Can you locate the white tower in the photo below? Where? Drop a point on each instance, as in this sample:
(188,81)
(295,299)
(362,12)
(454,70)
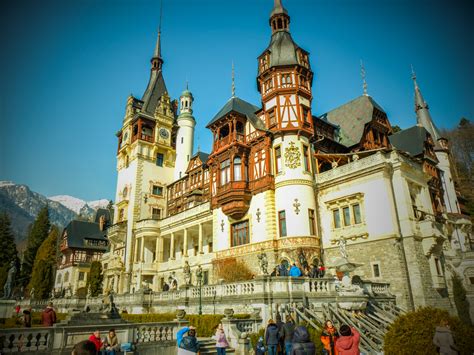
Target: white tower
(185,137)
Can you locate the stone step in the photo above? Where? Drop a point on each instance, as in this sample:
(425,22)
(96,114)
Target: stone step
(208,346)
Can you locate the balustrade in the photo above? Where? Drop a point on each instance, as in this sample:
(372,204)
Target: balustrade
(25,340)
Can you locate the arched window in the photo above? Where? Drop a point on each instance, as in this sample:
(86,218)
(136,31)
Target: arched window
(66,277)
(237,169)
(59,279)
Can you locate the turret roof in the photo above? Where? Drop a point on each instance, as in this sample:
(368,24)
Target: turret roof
(238,105)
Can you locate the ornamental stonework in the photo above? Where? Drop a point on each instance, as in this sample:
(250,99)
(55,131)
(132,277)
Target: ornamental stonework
(292,156)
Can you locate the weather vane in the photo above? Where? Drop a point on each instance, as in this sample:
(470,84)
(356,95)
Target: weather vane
(362,74)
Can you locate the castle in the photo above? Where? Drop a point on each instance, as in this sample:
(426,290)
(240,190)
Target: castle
(281,181)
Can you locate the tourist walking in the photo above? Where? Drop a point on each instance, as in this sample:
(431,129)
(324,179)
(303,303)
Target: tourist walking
(287,332)
(302,345)
(295,271)
(95,338)
(27,318)
(221,340)
(329,338)
(271,337)
(348,341)
(111,345)
(443,339)
(189,342)
(48,316)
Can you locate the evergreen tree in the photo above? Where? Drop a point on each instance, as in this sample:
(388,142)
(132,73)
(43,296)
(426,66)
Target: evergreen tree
(8,252)
(94,281)
(42,278)
(38,233)
(460,300)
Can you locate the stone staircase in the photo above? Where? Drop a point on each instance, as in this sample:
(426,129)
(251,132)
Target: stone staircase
(208,346)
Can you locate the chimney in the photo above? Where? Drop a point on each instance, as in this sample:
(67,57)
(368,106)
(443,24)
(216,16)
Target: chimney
(102,223)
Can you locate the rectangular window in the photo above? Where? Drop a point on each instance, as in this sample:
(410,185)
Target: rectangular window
(305,113)
(282,223)
(376,270)
(81,276)
(159,159)
(271,117)
(356,211)
(438,268)
(209,247)
(336,215)
(240,233)
(312,226)
(225,172)
(278,159)
(157,190)
(307,161)
(156,213)
(347,216)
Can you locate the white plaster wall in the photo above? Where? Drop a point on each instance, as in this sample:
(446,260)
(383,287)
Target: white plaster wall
(450,198)
(184,150)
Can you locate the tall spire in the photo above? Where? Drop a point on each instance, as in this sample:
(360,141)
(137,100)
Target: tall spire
(233,80)
(279,19)
(423,116)
(362,74)
(157,60)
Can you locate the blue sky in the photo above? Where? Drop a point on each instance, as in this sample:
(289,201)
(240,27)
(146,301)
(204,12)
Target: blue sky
(67,68)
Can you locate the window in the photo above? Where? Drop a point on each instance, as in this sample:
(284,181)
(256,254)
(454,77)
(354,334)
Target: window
(286,80)
(240,233)
(278,159)
(237,169)
(81,276)
(356,212)
(66,277)
(225,172)
(471,280)
(209,247)
(307,161)
(156,213)
(336,216)
(121,214)
(312,226)
(438,268)
(376,269)
(271,117)
(305,112)
(182,140)
(59,279)
(157,190)
(347,216)
(159,159)
(282,223)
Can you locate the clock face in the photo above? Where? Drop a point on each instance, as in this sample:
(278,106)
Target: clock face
(164,133)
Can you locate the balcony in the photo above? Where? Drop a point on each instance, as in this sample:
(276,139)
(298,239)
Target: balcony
(118,232)
(234,198)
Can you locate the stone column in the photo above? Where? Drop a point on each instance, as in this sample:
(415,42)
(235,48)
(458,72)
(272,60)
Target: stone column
(159,250)
(142,250)
(200,239)
(116,281)
(137,249)
(172,247)
(185,242)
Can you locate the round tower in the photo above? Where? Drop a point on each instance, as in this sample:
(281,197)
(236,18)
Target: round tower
(185,137)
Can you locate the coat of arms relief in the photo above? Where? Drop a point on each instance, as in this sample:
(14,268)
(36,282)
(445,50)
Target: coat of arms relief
(292,156)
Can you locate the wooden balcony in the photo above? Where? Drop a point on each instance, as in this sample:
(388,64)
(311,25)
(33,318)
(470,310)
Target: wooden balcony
(234,198)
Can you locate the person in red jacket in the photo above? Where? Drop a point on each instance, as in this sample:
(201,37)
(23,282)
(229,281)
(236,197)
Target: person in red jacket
(348,342)
(48,316)
(95,338)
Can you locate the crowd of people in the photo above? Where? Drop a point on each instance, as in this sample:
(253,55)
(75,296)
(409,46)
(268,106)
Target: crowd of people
(314,271)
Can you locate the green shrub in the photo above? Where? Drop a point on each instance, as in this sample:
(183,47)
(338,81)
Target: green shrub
(254,337)
(149,318)
(460,300)
(16,322)
(412,333)
(315,337)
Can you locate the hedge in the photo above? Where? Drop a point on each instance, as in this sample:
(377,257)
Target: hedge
(17,322)
(412,333)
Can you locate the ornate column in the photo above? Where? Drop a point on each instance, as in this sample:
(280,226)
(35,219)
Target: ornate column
(172,247)
(185,242)
(200,239)
(159,250)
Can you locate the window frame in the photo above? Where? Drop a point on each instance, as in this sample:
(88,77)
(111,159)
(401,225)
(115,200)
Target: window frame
(161,190)
(312,221)
(278,160)
(238,239)
(282,227)
(160,159)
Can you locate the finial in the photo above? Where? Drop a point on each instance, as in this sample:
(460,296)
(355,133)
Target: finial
(362,74)
(233,80)
(187,84)
(161,15)
(413,74)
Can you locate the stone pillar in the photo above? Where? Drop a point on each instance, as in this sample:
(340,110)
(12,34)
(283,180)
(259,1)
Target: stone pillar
(142,250)
(159,250)
(200,239)
(185,242)
(137,249)
(116,283)
(172,247)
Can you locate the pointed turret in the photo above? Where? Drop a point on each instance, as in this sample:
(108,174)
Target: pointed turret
(156,86)
(279,18)
(423,116)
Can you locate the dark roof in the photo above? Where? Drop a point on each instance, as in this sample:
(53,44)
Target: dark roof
(102,212)
(352,118)
(155,89)
(410,140)
(80,231)
(202,156)
(282,49)
(240,106)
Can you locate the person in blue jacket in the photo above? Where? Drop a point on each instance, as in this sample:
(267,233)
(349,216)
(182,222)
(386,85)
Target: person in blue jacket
(180,334)
(295,271)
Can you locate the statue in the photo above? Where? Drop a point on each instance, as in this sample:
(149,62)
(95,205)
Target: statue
(262,261)
(199,274)
(8,287)
(187,273)
(110,304)
(342,247)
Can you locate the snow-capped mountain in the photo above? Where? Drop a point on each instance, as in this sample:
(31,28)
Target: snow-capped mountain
(23,205)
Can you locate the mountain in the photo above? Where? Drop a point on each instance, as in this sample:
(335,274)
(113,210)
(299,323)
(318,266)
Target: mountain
(22,205)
